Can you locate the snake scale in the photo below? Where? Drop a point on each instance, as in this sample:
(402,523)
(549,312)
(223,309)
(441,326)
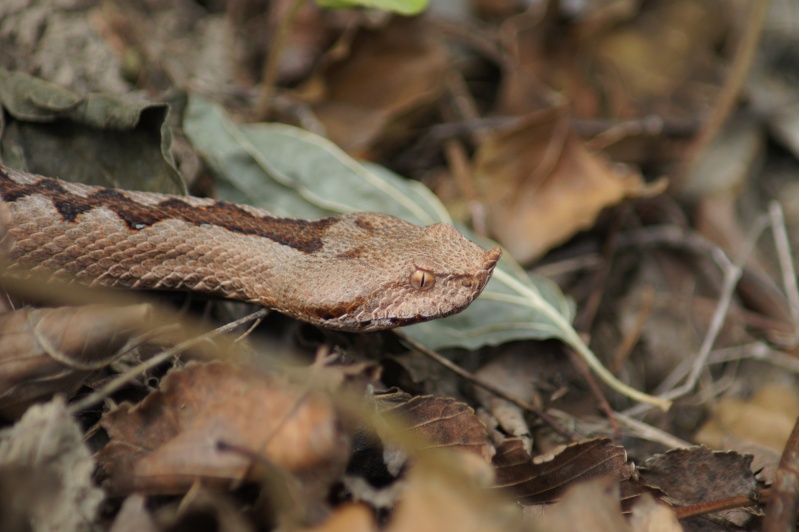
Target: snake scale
(352,272)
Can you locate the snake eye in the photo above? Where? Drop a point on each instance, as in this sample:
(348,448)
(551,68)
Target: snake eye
(422,280)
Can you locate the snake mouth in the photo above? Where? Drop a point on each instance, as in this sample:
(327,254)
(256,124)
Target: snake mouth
(492,257)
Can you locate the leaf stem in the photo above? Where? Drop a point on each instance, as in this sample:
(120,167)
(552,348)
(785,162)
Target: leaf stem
(570,336)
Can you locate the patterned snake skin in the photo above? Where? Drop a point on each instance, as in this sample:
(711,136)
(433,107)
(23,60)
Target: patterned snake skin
(353,272)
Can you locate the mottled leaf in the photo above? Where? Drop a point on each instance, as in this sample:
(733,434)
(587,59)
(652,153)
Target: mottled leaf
(98,139)
(700,475)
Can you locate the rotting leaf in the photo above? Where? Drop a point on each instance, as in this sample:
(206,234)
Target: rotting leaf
(45,351)
(98,139)
(170,440)
(442,422)
(699,474)
(544,478)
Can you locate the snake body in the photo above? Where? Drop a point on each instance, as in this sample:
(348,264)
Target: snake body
(353,272)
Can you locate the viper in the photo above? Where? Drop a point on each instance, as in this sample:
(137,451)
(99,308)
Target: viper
(352,272)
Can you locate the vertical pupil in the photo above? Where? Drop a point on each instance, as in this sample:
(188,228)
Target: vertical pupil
(422,280)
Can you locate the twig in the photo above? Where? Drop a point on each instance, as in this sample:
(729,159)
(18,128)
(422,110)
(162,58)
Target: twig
(591,306)
(569,336)
(436,357)
(631,338)
(731,277)
(785,259)
(732,273)
(784,500)
(732,87)
(582,368)
(718,505)
(269,76)
(117,383)
(644,431)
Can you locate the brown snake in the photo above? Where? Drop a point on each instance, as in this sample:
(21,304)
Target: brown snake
(353,272)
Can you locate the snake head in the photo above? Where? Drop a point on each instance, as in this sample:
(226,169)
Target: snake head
(404,274)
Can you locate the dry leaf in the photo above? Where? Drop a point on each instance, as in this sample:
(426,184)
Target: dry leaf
(349,517)
(134,516)
(766,418)
(169,440)
(698,474)
(592,505)
(544,478)
(46,473)
(436,500)
(651,516)
(389,75)
(45,351)
(442,422)
(541,185)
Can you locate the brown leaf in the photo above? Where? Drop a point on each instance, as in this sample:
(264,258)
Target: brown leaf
(766,418)
(390,74)
(169,440)
(435,500)
(349,517)
(544,478)
(617,59)
(45,351)
(592,505)
(443,422)
(541,185)
(134,516)
(698,474)
(650,516)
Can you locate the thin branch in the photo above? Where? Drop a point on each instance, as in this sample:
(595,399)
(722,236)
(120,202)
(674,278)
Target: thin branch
(436,357)
(728,96)
(647,432)
(785,259)
(120,381)
(732,272)
(784,500)
(731,277)
(269,76)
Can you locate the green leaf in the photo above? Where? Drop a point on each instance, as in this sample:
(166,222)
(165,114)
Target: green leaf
(403,7)
(290,171)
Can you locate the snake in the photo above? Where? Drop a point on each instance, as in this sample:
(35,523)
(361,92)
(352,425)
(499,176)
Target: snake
(355,272)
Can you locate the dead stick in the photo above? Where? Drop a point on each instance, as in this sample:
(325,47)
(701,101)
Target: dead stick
(448,364)
(117,383)
(784,499)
